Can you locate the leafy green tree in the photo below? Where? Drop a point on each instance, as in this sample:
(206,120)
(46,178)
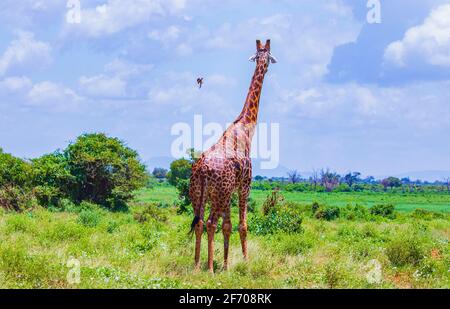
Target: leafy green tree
(391,182)
(15,183)
(105,171)
(179,169)
(14,171)
(159,172)
(52,178)
(352,178)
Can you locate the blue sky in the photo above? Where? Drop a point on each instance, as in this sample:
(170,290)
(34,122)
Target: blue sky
(347,94)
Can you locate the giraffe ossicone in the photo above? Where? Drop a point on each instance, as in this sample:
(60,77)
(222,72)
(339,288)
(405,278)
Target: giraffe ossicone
(226,167)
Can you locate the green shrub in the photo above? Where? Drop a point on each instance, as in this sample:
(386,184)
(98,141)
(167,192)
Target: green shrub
(328,213)
(279,219)
(426,214)
(354,212)
(17,198)
(151,211)
(89,218)
(383,210)
(405,250)
(184,201)
(272,201)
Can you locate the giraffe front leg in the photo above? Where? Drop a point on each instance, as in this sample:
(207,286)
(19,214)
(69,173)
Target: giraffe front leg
(226,229)
(243,196)
(211,227)
(198,240)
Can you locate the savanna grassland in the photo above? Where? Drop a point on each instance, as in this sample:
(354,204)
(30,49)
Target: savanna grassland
(303,240)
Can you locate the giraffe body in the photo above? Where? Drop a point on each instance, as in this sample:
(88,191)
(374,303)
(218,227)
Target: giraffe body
(226,167)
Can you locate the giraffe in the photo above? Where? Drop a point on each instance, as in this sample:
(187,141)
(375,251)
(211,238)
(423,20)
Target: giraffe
(226,167)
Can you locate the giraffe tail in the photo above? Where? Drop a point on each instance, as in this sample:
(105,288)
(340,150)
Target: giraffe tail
(198,210)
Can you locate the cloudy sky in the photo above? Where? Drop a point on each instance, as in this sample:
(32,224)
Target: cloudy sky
(348,94)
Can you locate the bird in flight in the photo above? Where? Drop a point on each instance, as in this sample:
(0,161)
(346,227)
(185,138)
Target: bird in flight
(200,82)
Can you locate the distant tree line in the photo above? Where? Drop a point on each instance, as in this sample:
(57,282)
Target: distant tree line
(325,180)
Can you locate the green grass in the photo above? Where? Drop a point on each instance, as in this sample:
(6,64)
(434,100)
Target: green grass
(122,250)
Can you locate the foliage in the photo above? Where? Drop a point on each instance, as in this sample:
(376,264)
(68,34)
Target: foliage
(391,182)
(354,212)
(14,171)
(16,198)
(184,201)
(405,250)
(383,210)
(272,201)
(179,170)
(89,217)
(328,213)
(159,172)
(276,217)
(149,212)
(106,172)
(52,178)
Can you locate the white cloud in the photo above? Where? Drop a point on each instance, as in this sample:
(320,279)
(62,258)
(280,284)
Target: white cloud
(428,42)
(15,84)
(52,95)
(103,86)
(25,52)
(118,77)
(115,15)
(420,106)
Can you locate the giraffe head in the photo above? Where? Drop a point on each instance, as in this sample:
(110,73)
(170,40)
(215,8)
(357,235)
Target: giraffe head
(263,56)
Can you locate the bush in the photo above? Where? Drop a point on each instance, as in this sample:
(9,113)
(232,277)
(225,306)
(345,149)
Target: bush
(404,251)
(16,198)
(89,214)
(184,202)
(426,214)
(328,213)
(151,211)
(106,172)
(383,210)
(278,219)
(272,201)
(354,212)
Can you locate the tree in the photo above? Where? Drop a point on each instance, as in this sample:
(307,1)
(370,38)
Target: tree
(105,171)
(15,183)
(447,182)
(391,182)
(179,169)
(294,176)
(159,172)
(52,179)
(259,178)
(330,180)
(314,179)
(351,178)
(14,171)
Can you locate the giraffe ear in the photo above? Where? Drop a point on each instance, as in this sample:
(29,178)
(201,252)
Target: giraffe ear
(258,45)
(252,58)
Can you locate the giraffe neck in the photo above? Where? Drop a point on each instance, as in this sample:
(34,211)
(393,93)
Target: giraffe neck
(249,115)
